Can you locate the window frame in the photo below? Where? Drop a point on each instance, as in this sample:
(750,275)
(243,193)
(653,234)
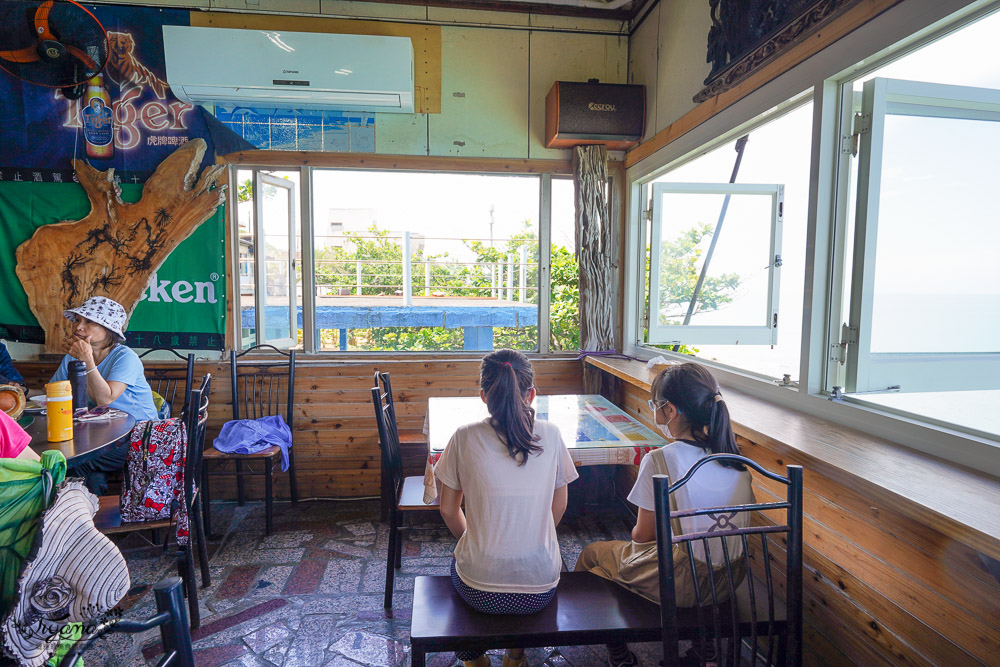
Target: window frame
(825,78)
(688,334)
(544,170)
(865,370)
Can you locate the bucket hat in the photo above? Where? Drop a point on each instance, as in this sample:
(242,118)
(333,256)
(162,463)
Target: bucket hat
(106,312)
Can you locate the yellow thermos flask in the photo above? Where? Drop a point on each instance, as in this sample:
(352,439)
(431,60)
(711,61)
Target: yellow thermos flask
(59,411)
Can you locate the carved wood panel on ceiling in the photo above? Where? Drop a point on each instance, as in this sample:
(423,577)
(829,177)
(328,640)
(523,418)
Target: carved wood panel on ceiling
(746,34)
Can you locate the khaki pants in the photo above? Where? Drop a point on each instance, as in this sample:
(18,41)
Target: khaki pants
(633,565)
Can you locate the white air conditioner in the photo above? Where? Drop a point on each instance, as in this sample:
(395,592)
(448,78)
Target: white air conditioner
(289,70)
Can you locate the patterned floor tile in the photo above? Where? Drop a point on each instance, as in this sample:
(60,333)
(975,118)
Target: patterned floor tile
(310,594)
(262,639)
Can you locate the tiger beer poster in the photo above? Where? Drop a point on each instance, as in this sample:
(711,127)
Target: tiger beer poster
(128,120)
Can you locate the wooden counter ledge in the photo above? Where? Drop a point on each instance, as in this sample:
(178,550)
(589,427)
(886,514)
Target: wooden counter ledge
(957,501)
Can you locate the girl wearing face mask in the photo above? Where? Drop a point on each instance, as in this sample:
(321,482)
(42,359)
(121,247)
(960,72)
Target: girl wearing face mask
(689,409)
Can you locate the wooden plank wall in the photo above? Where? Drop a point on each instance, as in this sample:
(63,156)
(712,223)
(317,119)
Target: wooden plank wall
(336,443)
(879,587)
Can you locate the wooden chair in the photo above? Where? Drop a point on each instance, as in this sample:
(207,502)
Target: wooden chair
(175,629)
(108,519)
(590,610)
(166,381)
(406,493)
(260,389)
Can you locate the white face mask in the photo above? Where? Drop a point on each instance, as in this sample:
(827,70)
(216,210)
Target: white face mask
(665,430)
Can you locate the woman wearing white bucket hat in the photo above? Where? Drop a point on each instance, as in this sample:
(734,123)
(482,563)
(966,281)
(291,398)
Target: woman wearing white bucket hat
(114,375)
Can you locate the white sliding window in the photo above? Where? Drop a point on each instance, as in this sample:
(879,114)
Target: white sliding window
(925,286)
(714,264)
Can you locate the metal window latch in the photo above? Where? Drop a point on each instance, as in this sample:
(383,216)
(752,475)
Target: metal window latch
(838,392)
(647,215)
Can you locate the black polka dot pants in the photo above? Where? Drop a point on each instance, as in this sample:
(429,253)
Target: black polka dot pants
(497,603)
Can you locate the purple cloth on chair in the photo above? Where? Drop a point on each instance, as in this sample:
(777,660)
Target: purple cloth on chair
(249,436)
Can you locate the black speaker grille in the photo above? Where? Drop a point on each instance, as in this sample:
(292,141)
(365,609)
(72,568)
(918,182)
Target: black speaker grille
(600,110)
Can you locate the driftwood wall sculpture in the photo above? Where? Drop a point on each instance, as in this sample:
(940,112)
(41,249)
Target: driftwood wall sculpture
(113,251)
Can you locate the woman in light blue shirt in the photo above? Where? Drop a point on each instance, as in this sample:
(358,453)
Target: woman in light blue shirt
(114,377)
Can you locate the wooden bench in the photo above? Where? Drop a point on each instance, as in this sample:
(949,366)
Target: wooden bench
(586,610)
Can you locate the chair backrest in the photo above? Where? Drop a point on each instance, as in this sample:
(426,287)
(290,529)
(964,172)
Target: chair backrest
(264,388)
(388,432)
(720,591)
(165,381)
(196,422)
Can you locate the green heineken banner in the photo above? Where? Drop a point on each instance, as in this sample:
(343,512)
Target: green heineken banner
(184,305)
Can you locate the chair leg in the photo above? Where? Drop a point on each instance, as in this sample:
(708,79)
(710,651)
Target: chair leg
(384,492)
(390,571)
(206,504)
(269,496)
(240,493)
(199,527)
(399,541)
(191,586)
(417,657)
(293,484)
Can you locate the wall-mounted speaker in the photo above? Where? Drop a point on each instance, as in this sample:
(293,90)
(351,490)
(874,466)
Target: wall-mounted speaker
(594,113)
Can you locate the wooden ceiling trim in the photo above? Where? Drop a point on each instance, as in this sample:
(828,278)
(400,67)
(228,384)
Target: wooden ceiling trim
(295,159)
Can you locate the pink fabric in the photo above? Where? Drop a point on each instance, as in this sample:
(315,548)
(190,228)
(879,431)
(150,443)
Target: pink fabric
(13,438)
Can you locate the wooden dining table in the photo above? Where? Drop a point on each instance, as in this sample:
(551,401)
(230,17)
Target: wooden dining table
(90,438)
(595,430)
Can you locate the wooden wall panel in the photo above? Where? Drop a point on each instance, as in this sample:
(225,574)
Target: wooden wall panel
(336,443)
(880,587)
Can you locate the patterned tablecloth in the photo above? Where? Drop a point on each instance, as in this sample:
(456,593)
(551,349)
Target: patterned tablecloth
(596,431)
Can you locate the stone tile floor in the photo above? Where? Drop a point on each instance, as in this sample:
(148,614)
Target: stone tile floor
(310,594)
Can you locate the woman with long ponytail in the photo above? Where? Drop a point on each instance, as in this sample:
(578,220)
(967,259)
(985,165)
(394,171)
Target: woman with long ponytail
(512,471)
(689,409)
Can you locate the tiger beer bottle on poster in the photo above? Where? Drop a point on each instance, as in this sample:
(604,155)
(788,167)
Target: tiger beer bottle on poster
(98,124)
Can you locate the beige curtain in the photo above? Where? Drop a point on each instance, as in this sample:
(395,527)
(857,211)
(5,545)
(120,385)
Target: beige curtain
(595,256)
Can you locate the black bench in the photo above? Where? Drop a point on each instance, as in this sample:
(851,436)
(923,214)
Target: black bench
(590,610)
(586,610)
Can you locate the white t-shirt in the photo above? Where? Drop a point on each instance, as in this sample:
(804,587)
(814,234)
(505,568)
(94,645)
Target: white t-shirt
(713,485)
(509,545)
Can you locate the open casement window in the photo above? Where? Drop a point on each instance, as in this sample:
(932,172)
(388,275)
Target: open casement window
(715,255)
(926,278)
(276,310)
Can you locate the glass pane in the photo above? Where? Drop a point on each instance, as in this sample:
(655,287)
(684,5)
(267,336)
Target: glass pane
(278,298)
(776,152)
(937,277)
(244,206)
(734,291)
(564,315)
(472,262)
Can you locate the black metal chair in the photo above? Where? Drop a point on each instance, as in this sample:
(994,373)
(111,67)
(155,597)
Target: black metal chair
(171,618)
(406,494)
(108,519)
(261,388)
(749,610)
(166,381)
(590,610)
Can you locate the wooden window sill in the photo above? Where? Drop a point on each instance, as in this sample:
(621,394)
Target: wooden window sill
(957,501)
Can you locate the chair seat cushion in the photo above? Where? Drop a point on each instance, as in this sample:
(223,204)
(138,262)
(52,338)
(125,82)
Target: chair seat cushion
(412,496)
(215,454)
(586,610)
(108,519)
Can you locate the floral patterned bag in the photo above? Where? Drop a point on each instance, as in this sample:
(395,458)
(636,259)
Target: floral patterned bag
(153,488)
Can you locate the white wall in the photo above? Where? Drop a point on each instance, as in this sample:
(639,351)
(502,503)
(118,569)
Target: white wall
(667,55)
